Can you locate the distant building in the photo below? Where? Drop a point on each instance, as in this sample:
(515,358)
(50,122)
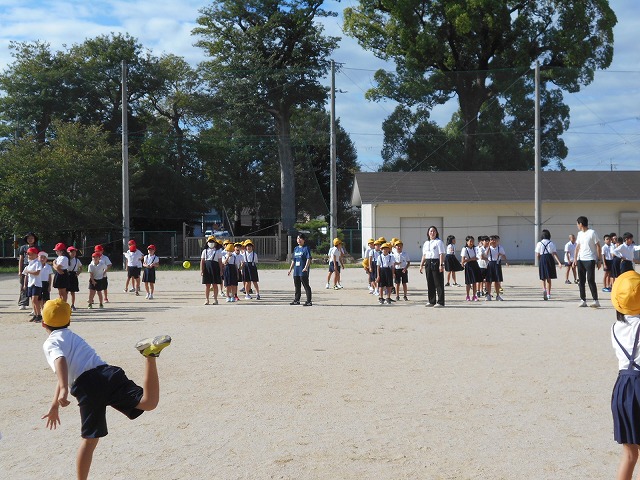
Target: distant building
(405,204)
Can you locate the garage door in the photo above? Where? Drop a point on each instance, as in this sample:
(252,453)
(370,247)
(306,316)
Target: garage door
(413,232)
(517,237)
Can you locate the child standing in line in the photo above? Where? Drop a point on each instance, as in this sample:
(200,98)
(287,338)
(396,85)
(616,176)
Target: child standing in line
(626,251)
(134,266)
(401,270)
(472,275)
(46,277)
(386,263)
(374,254)
(607,262)
(483,246)
(229,262)
(366,264)
(32,282)
(150,263)
(95,384)
(569,256)
(96,279)
(249,265)
(75,267)
(546,253)
(451,263)
(625,398)
(494,255)
(107,262)
(60,267)
(617,257)
(335,265)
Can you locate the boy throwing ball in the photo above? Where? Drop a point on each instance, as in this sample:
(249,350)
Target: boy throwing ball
(95,384)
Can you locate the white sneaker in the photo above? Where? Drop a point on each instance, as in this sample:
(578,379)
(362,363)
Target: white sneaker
(151,296)
(132,290)
(248,297)
(370,289)
(499,298)
(147,296)
(327,287)
(339,286)
(595,304)
(23,307)
(583,303)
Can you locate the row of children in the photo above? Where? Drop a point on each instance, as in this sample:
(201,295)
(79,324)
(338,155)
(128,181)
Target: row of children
(138,263)
(227,263)
(618,257)
(387,267)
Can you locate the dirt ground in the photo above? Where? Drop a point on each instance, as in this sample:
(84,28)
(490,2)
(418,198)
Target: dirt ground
(346,389)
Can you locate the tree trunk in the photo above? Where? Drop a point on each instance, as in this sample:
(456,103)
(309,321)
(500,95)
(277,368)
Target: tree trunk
(472,92)
(287,172)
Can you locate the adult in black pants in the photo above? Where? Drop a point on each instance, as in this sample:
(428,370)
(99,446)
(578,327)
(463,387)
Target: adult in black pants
(30,240)
(587,258)
(433,253)
(300,265)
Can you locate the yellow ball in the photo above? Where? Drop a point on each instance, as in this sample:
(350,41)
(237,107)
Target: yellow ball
(186,264)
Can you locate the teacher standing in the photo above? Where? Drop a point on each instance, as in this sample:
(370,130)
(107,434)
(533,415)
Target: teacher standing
(300,265)
(433,253)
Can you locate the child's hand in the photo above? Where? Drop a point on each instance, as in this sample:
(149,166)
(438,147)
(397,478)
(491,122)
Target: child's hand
(62,397)
(53,419)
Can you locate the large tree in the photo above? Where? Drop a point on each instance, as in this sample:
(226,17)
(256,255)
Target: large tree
(268,56)
(447,48)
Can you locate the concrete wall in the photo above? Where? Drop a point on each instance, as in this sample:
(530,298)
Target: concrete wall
(513,222)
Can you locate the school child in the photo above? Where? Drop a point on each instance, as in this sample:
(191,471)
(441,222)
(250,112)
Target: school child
(249,266)
(46,277)
(230,263)
(374,254)
(335,265)
(451,263)
(366,263)
(569,257)
(401,269)
(150,263)
(626,251)
(211,268)
(483,245)
(32,282)
(75,267)
(96,271)
(386,263)
(31,241)
(607,262)
(133,258)
(545,254)
(95,384)
(494,255)
(60,267)
(617,257)
(472,275)
(625,397)
(107,261)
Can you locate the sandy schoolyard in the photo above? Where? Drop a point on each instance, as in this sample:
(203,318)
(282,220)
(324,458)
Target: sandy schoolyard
(346,389)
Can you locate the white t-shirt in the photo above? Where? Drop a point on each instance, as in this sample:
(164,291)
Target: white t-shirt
(334,255)
(431,249)
(151,260)
(451,249)
(32,267)
(402,258)
(540,247)
(607,251)
(587,241)
(79,354)
(208,254)
(626,334)
(250,258)
(62,261)
(104,259)
(626,252)
(569,250)
(98,270)
(46,272)
(470,253)
(134,259)
(74,264)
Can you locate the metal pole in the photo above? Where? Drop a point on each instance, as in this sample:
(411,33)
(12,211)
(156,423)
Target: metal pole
(125,161)
(334,183)
(538,202)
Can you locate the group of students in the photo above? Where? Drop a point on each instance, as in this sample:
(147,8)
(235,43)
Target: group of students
(138,263)
(386,265)
(225,263)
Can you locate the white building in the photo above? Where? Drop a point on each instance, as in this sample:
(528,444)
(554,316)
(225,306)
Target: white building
(405,204)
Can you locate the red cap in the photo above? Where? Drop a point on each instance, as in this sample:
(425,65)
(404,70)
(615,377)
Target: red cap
(95,254)
(60,247)
(151,247)
(98,248)
(132,242)
(71,249)
(132,248)
(32,250)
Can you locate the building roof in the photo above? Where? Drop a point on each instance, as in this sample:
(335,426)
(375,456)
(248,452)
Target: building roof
(438,187)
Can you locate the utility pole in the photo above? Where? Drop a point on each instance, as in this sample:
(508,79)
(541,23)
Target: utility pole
(333,214)
(125,161)
(538,202)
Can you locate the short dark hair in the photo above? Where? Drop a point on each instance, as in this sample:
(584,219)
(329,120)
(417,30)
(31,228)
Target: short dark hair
(584,221)
(546,234)
(627,235)
(302,236)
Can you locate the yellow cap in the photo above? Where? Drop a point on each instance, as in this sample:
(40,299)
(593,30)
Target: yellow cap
(398,242)
(371,240)
(211,238)
(56,313)
(336,242)
(625,294)
(382,240)
(248,242)
(229,247)
(378,242)
(365,262)
(386,245)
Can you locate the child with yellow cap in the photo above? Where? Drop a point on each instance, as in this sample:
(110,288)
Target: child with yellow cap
(625,399)
(95,384)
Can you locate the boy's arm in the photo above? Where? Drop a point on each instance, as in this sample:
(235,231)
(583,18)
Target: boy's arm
(61,393)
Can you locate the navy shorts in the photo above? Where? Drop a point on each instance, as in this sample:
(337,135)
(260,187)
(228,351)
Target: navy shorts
(400,276)
(333,267)
(34,291)
(100,387)
(46,295)
(133,272)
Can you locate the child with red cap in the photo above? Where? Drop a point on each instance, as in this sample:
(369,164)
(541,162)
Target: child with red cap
(95,384)
(134,266)
(150,263)
(60,275)
(32,281)
(625,399)
(107,262)
(75,266)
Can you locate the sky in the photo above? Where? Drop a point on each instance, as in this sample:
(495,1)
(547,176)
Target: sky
(605,116)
